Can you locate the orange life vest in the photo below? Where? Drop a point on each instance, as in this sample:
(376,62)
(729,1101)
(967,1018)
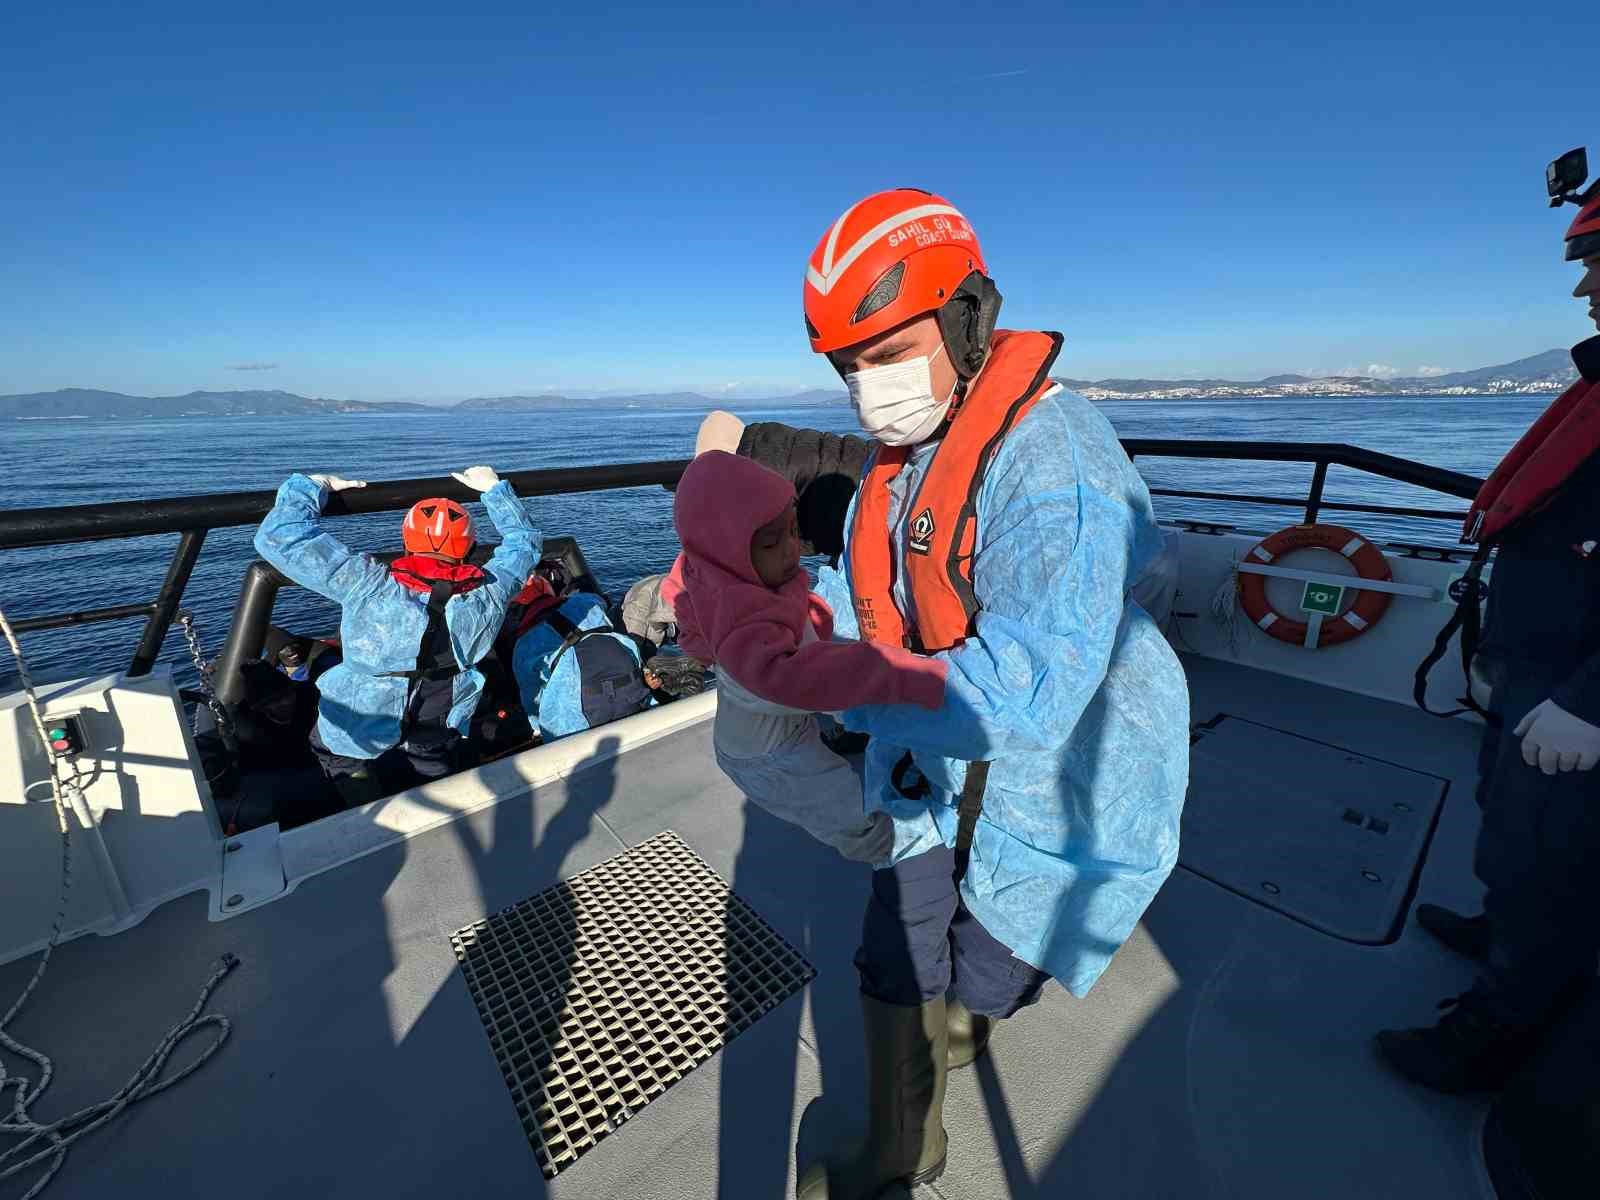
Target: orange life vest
(1557,444)
(944,510)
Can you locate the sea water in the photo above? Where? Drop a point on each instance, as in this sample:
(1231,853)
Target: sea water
(625,534)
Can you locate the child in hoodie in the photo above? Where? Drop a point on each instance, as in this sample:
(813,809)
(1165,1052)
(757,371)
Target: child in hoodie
(743,603)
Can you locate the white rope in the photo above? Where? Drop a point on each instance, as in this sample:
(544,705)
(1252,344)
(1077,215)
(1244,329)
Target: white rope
(146,1082)
(1225,608)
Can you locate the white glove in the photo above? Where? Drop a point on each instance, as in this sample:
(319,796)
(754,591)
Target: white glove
(336,483)
(719,431)
(1554,740)
(479,479)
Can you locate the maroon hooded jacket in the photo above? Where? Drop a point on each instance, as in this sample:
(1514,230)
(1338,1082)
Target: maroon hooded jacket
(728,617)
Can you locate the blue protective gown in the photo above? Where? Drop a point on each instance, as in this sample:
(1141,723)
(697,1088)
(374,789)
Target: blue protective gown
(553,697)
(382,623)
(1068,688)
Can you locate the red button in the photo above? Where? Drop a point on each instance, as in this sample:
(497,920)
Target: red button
(61,744)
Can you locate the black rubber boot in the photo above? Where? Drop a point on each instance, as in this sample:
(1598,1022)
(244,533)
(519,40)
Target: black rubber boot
(1539,1142)
(356,790)
(1464,935)
(1467,1051)
(906,1074)
(969,1034)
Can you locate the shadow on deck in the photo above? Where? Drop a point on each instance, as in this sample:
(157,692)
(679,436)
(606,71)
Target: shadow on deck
(1226,1052)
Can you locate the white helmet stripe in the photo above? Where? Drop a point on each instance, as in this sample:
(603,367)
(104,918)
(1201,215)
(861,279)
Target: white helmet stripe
(833,237)
(824,280)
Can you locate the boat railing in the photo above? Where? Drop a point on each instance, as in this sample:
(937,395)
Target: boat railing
(192,517)
(1322,455)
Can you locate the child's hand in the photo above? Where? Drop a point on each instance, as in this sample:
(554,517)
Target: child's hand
(676,674)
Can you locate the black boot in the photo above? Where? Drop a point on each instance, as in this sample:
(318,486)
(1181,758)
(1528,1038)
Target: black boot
(906,1075)
(969,1034)
(363,787)
(1464,935)
(1467,1051)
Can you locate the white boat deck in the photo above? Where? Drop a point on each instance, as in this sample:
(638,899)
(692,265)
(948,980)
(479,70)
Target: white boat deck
(1226,1053)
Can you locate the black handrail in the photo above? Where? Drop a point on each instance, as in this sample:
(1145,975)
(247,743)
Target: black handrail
(1312,508)
(193,516)
(1338,454)
(86,616)
(134,518)
(167,601)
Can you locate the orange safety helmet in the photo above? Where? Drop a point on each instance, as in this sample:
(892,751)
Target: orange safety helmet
(894,256)
(438,526)
(1583,235)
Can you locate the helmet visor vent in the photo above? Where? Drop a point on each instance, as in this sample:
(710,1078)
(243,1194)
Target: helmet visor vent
(882,294)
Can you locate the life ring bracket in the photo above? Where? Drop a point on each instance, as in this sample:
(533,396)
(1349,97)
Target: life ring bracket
(1373,584)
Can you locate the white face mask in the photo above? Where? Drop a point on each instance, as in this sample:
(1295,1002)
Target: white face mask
(895,403)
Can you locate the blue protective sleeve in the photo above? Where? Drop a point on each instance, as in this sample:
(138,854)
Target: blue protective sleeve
(834,589)
(474,617)
(291,539)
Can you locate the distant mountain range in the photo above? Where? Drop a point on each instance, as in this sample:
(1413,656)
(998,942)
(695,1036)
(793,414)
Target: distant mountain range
(1551,371)
(649,400)
(84,403)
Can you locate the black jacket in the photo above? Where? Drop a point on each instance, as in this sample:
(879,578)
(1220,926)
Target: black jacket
(1544,595)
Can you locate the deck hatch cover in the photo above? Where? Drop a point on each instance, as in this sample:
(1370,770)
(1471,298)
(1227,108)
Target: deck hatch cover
(1325,835)
(600,993)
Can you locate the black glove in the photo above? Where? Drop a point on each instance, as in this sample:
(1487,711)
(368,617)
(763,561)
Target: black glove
(844,742)
(678,674)
(824,468)
(821,512)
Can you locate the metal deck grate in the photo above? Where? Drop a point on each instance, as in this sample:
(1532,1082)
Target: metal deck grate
(600,993)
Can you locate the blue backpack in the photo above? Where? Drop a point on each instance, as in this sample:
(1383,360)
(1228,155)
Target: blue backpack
(612,676)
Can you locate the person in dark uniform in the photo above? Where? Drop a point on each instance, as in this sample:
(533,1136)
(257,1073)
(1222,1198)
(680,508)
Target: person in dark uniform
(1537,671)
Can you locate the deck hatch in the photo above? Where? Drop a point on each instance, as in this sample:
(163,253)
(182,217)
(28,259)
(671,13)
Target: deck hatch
(1325,835)
(600,993)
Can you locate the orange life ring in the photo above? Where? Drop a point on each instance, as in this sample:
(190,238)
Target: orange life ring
(1366,558)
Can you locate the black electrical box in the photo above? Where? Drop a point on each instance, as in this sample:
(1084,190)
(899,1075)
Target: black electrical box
(65,736)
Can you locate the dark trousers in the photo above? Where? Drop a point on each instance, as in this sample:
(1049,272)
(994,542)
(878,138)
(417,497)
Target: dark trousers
(1539,1142)
(918,941)
(427,753)
(1538,855)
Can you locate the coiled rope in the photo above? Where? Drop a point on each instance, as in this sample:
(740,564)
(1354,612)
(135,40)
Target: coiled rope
(59,1136)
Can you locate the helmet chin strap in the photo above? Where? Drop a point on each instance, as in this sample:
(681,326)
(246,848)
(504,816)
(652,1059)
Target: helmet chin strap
(958,395)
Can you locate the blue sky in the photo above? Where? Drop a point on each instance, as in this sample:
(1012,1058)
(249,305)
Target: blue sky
(449,199)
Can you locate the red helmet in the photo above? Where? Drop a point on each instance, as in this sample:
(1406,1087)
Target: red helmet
(438,527)
(1583,235)
(894,256)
